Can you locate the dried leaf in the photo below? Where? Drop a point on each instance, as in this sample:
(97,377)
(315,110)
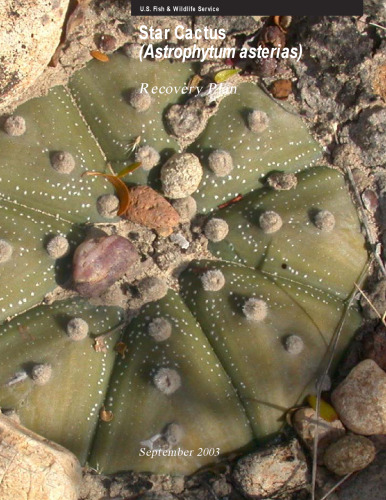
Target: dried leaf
(121,348)
(121,189)
(225,74)
(327,412)
(96,54)
(129,169)
(194,81)
(282,22)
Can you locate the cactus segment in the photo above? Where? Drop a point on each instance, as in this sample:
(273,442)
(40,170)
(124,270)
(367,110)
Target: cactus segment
(284,145)
(104,94)
(26,173)
(328,260)
(204,403)
(268,378)
(29,273)
(66,408)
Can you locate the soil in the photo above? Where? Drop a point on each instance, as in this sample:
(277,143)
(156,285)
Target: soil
(339,87)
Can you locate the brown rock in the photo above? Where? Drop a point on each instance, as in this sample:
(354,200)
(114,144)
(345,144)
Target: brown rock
(265,473)
(107,43)
(281,89)
(33,468)
(360,399)
(29,35)
(349,454)
(150,209)
(100,262)
(304,422)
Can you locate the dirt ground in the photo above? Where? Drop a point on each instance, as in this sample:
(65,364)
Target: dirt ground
(339,87)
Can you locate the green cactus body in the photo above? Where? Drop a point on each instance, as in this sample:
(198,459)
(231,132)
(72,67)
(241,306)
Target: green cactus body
(284,145)
(299,250)
(268,378)
(66,408)
(38,202)
(205,405)
(212,367)
(103,94)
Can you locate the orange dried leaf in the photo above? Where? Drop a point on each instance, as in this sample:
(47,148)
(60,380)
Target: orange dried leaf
(96,54)
(120,187)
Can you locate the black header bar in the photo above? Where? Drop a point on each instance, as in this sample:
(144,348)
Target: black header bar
(246,7)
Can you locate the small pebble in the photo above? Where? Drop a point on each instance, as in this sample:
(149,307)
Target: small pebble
(349,454)
(270,222)
(216,229)
(181,175)
(107,43)
(304,422)
(14,126)
(273,35)
(140,101)
(255,309)
(148,157)
(77,329)
(58,247)
(149,208)
(107,206)
(220,162)
(100,262)
(41,373)
(6,251)
(370,200)
(63,162)
(281,89)
(360,400)
(180,240)
(257,121)
(167,380)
